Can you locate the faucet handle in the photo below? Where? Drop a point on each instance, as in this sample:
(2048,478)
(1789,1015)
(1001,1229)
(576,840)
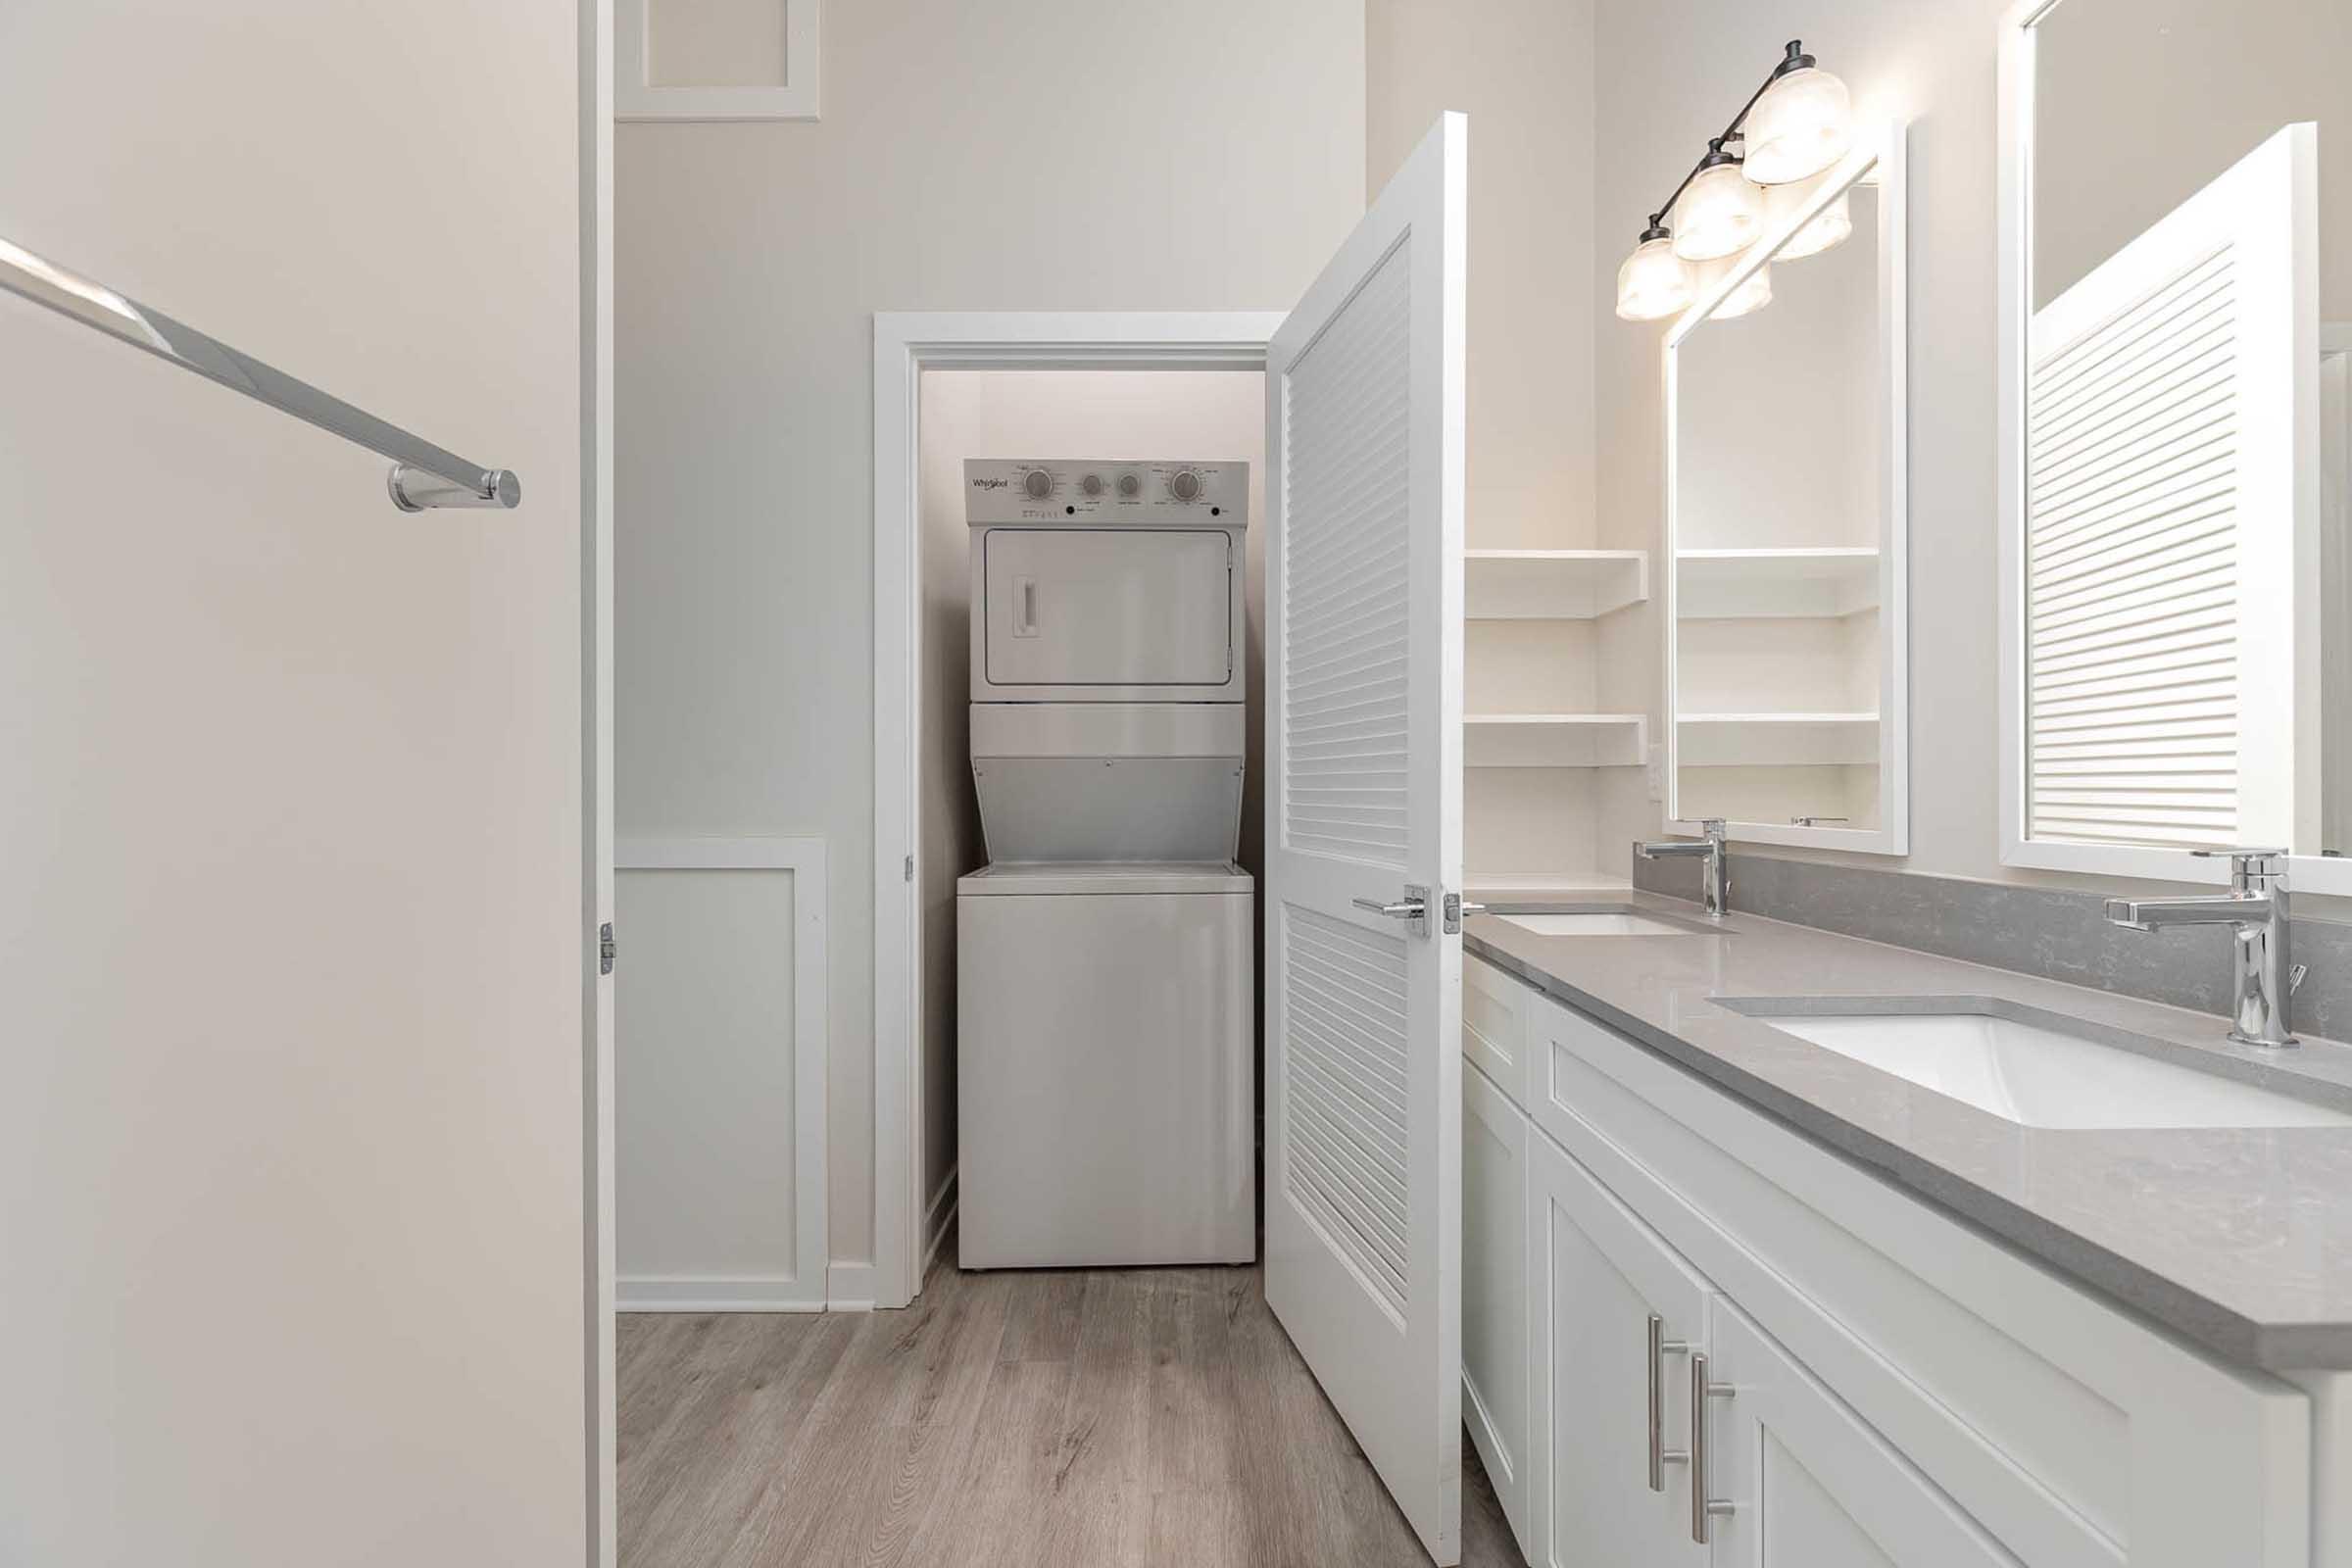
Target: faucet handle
(2247,864)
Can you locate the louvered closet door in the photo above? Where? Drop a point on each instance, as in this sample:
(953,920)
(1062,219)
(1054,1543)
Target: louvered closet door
(2170,665)
(1363,734)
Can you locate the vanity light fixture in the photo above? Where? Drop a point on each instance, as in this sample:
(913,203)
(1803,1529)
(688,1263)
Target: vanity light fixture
(1753,294)
(1722,213)
(1653,283)
(1796,124)
(1832,226)
(1800,125)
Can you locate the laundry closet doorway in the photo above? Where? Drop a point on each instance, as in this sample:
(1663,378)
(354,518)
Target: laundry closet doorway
(988,413)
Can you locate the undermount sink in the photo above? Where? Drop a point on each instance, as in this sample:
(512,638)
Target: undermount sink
(2035,1074)
(1599,923)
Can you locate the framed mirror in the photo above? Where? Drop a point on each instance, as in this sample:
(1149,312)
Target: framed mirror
(1785,602)
(2176,423)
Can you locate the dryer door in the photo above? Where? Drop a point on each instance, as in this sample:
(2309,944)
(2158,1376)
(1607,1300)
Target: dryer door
(1108,606)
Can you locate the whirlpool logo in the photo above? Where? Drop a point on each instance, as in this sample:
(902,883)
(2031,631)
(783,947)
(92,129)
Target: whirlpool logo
(990,485)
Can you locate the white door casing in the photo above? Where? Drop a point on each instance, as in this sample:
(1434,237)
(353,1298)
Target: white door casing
(1364,500)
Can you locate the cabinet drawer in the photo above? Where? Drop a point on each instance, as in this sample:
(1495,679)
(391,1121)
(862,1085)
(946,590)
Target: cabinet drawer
(1496,1017)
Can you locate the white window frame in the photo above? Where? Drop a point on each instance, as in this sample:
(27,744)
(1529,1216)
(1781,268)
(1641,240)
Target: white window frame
(637,96)
(2312,873)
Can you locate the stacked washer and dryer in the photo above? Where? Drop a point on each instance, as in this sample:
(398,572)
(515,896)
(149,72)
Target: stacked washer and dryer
(1105,1074)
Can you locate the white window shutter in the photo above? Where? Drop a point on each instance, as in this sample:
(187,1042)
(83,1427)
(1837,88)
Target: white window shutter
(2171,538)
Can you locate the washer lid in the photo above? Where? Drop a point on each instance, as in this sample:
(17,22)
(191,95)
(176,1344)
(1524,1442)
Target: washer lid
(1033,878)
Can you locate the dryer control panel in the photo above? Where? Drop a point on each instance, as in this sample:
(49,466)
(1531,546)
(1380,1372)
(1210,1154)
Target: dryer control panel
(1095,493)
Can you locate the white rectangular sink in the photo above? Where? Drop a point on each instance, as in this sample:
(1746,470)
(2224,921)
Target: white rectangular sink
(2038,1076)
(1597,923)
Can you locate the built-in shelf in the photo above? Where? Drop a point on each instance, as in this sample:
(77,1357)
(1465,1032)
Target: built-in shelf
(1812,582)
(1554,740)
(1552,585)
(1775,740)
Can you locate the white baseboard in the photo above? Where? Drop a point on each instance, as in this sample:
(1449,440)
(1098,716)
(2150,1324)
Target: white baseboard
(850,1287)
(936,1222)
(725,1293)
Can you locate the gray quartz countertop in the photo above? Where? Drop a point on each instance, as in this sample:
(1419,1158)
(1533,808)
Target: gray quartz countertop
(2238,1239)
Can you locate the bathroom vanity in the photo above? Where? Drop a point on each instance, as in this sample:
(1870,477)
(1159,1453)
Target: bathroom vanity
(1741,1287)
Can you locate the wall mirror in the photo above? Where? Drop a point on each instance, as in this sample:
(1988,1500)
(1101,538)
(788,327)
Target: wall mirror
(2176,383)
(1786,619)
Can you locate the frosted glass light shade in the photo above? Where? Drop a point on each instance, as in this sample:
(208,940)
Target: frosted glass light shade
(1653,283)
(1720,213)
(1803,124)
(1832,226)
(1754,293)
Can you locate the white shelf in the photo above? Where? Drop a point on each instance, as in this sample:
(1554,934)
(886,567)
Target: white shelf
(1554,740)
(1776,740)
(1827,581)
(1552,585)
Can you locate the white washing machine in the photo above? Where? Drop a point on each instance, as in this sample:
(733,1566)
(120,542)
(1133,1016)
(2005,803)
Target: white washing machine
(1105,1086)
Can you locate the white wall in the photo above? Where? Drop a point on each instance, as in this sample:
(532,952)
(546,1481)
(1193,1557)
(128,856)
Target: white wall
(970,157)
(1044,414)
(290,938)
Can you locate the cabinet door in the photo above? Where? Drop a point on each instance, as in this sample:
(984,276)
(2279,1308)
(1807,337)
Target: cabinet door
(1496,1398)
(1808,1484)
(1597,1277)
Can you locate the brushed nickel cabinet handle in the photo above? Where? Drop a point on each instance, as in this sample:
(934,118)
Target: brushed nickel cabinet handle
(1703,1509)
(1656,1351)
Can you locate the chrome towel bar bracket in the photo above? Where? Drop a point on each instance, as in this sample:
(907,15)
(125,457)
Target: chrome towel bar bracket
(424,476)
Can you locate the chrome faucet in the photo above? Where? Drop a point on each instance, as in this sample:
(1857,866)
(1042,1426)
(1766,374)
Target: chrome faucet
(2255,911)
(1715,883)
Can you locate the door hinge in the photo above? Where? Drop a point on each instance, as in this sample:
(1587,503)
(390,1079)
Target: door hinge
(606,947)
(911,869)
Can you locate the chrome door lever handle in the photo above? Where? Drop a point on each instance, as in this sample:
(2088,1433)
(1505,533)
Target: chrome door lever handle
(1401,910)
(1412,908)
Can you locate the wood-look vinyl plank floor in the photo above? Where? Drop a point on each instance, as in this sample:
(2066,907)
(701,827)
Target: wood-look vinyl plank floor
(1098,1418)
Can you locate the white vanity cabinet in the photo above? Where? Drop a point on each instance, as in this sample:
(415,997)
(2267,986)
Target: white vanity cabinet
(1890,1385)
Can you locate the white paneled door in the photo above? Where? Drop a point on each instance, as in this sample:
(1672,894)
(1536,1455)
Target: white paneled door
(1364,832)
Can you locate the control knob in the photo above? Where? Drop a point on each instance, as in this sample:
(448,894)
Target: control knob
(1038,483)
(1183,486)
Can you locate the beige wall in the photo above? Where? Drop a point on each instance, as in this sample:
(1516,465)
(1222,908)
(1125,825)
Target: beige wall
(1523,72)
(1522,69)
(290,947)
(2142,103)
(1676,74)
(994,156)
(1042,413)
